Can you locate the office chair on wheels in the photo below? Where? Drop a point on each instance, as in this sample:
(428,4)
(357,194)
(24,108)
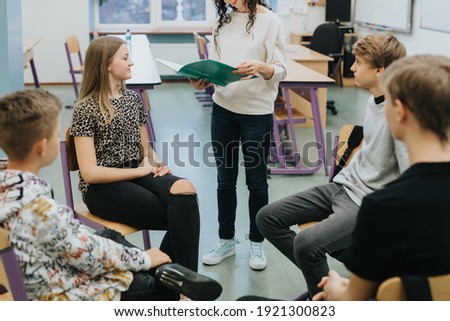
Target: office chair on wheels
(328,39)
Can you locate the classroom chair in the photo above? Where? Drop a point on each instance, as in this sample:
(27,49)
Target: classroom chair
(345,146)
(12,287)
(407,288)
(73,48)
(81,212)
(328,39)
(204,96)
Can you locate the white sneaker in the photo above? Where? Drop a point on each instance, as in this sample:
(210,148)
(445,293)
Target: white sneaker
(223,249)
(258,260)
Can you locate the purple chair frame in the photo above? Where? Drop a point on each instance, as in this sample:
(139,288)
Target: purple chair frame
(69,197)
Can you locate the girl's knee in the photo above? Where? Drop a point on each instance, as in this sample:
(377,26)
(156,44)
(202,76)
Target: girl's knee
(183,186)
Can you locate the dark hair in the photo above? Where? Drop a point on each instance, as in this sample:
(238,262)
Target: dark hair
(224,15)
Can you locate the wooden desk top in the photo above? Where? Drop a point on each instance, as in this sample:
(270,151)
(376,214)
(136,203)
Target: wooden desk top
(296,73)
(302,53)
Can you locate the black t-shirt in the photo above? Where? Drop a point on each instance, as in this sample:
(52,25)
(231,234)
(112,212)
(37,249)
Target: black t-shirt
(404,229)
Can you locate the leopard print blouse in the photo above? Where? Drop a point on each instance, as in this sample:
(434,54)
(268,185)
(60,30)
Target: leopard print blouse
(118,142)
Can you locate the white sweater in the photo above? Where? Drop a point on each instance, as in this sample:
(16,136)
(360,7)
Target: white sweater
(265,43)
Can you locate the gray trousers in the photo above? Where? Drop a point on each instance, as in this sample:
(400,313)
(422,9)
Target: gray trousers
(330,205)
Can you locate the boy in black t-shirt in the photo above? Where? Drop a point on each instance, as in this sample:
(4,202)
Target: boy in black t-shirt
(403,228)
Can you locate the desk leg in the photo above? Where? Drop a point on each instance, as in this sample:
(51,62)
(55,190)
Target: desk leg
(318,128)
(35,77)
(295,154)
(149,124)
(298,168)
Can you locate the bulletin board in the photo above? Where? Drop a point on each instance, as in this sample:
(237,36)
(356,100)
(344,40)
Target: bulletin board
(435,15)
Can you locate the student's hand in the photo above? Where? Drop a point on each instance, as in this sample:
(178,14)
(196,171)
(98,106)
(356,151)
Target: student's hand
(333,287)
(145,168)
(157,257)
(251,68)
(199,84)
(321,295)
(161,170)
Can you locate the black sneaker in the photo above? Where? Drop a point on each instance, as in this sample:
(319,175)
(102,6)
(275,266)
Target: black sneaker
(193,285)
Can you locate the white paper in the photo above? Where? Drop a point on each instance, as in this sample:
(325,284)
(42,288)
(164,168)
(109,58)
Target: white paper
(171,65)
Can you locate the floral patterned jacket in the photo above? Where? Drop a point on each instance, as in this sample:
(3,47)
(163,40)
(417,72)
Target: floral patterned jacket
(60,259)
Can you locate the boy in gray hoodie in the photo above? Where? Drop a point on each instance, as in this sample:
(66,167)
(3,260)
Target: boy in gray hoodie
(59,258)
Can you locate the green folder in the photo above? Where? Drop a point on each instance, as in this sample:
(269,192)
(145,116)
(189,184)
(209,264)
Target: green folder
(213,71)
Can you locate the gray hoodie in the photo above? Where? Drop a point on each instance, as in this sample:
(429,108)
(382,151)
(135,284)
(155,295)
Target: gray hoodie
(380,160)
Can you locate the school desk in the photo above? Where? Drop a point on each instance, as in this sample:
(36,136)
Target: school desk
(315,61)
(305,83)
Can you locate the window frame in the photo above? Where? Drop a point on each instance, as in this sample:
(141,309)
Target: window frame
(156,22)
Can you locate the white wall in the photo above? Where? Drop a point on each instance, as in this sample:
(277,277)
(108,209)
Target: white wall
(52,21)
(296,22)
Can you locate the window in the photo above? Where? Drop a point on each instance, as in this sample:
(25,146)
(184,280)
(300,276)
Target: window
(153,14)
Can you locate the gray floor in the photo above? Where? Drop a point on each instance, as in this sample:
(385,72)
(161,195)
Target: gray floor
(177,116)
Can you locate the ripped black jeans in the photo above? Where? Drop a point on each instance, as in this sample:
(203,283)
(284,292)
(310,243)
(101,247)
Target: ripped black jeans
(146,203)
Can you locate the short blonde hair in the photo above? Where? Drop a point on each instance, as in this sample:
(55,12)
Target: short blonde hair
(422,84)
(379,49)
(25,117)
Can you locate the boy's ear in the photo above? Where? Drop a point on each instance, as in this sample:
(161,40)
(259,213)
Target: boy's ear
(400,111)
(41,146)
(380,71)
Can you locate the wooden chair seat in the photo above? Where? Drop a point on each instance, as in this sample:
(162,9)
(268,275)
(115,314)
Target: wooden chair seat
(82,209)
(392,289)
(304,226)
(78,69)
(70,164)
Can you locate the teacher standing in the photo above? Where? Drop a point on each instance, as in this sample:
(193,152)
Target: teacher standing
(249,36)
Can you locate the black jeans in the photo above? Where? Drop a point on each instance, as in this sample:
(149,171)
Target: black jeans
(144,286)
(253,133)
(146,203)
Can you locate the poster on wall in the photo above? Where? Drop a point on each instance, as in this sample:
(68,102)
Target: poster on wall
(300,6)
(285,7)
